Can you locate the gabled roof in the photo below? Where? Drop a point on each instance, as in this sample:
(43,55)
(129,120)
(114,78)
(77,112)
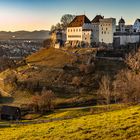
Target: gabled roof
(97,19)
(78,21)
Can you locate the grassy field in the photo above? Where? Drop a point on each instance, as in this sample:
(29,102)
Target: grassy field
(123,124)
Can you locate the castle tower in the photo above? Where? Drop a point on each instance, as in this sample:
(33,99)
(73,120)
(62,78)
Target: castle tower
(122,25)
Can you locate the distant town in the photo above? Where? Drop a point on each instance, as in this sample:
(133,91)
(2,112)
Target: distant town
(16,45)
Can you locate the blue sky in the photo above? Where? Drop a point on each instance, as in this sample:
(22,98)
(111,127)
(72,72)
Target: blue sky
(41,14)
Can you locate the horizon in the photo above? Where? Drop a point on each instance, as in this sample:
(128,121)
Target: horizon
(25,31)
(17,15)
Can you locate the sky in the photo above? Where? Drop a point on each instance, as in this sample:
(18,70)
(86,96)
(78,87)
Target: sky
(41,14)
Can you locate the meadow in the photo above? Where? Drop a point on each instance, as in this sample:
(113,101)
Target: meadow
(120,124)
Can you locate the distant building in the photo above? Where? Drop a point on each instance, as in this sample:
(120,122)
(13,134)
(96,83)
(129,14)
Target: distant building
(79,30)
(126,34)
(96,25)
(129,28)
(136,25)
(121,27)
(103,29)
(106,30)
(126,38)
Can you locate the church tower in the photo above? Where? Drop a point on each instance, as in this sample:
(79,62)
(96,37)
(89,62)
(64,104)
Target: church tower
(122,25)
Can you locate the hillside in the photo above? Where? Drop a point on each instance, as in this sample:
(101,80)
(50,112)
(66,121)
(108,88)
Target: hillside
(68,73)
(114,125)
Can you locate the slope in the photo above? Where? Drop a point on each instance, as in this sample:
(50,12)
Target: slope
(114,125)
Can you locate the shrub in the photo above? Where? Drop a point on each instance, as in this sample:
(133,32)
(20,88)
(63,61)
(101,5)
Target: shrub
(127,84)
(105,93)
(44,102)
(76,81)
(133,61)
(34,104)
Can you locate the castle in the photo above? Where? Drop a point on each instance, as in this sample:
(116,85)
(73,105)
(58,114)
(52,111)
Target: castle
(101,30)
(83,32)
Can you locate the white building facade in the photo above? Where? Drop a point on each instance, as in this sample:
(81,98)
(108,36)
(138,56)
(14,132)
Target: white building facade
(103,29)
(96,25)
(80,30)
(136,26)
(107,28)
(126,38)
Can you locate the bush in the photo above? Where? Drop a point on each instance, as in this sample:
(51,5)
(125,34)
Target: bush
(44,102)
(133,61)
(76,81)
(127,84)
(87,68)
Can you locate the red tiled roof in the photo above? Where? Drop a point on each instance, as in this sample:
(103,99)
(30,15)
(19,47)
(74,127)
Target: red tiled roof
(97,19)
(78,21)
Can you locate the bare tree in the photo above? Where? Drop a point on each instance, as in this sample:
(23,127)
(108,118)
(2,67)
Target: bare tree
(133,61)
(128,81)
(66,19)
(105,92)
(34,103)
(127,85)
(58,26)
(46,102)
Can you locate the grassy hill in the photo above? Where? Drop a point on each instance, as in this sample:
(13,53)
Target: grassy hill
(57,69)
(113,125)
